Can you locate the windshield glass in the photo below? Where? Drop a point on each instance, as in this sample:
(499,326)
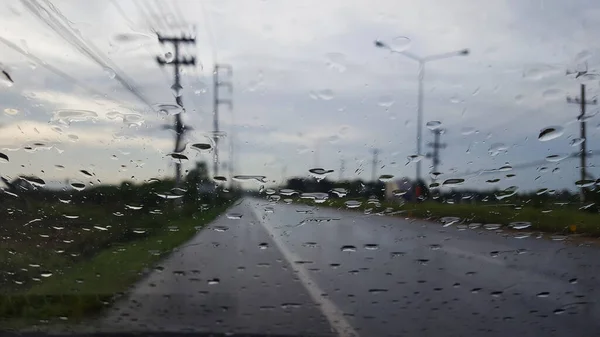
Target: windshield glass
(387,168)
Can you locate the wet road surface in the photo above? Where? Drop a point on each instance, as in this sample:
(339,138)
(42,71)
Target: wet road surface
(298,270)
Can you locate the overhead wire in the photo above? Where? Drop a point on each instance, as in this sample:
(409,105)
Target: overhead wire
(51,68)
(152,28)
(539,162)
(51,19)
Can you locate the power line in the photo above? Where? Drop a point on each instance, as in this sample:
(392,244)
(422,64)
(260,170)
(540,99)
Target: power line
(51,19)
(525,165)
(53,69)
(122,13)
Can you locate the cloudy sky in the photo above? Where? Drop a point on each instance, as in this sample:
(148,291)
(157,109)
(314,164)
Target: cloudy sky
(309,87)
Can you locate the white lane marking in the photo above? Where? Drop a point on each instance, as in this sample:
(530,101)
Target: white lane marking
(334,315)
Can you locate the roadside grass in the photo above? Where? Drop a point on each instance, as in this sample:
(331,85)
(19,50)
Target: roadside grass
(86,287)
(559,220)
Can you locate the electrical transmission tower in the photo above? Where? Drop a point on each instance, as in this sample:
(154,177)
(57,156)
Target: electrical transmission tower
(217,83)
(436,146)
(582,118)
(177,61)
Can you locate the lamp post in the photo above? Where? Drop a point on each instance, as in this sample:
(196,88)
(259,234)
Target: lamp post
(422,61)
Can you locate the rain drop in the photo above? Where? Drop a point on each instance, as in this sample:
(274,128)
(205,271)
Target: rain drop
(576,141)
(353,203)
(453,182)
(348,248)
(234,216)
(551,132)
(433,125)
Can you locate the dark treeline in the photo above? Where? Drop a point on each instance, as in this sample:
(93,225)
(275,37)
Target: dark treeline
(195,187)
(408,193)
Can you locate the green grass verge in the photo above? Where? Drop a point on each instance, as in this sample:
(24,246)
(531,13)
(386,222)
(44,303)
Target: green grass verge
(91,285)
(558,220)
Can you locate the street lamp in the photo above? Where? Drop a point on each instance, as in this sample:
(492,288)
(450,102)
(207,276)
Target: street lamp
(421,61)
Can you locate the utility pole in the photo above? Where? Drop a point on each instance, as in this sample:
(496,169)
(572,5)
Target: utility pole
(217,83)
(582,155)
(437,146)
(374,163)
(177,62)
(342,168)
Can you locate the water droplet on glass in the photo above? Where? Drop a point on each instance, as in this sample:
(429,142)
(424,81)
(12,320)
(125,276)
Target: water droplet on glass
(336,61)
(78,186)
(497,149)
(133,207)
(323,94)
(318,197)
(540,71)
(506,193)
(168,109)
(263,245)
(339,191)
(376,291)
(453,182)
(468,130)
(169,195)
(3,158)
(319,173)
(386,177)
(543,294)
(385,101)
(585,183)
(169,57)
(287,192)
(371,246)
(433,125)
(576,141)
(348,248)
(552,94)
(353,203)
(213,281)
(400,43)
(449,220)
(110,73)
(554,158)
(234,216)
(202,147)
(244,178)
(551,132)
(492,226)
(220,228)
(178,157)
(520,224)
(11,111)
(415,158)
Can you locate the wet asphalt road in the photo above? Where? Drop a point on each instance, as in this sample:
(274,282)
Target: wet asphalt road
(297,270)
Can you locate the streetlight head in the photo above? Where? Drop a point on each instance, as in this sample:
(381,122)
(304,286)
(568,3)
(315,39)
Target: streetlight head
(380,44)
(464,52)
